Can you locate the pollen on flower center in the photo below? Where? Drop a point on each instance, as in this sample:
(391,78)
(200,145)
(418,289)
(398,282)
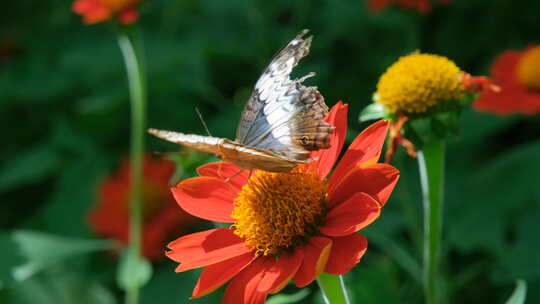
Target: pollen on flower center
(276,212)
(528,69)
(418,83)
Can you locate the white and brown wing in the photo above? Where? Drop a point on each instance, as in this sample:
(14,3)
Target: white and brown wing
(201,143)
(242,156)
(282,115)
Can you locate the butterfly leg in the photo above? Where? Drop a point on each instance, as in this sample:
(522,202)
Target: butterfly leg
(234,175)
(249,176)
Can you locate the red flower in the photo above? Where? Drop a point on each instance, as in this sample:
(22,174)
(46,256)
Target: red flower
(284,225)
(110,217)
(518,76)
(422,6)
(95,11)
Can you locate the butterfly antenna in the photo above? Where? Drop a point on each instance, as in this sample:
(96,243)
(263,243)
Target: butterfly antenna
(202,121)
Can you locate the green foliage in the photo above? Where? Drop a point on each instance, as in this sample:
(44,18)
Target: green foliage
(42,250)
(373,111)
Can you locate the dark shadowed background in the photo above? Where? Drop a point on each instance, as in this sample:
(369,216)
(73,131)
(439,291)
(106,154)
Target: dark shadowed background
(64,115)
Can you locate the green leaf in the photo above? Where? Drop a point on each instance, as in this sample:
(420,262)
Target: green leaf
(133,271)
(288,298)
(372,112)
(59,285)
(519,294)
(42,250)
(8,258)
(30,166)
(468,99)
(398,253)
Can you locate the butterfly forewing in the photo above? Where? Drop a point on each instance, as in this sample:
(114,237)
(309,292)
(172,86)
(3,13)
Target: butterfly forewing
(201,143)
(282,115)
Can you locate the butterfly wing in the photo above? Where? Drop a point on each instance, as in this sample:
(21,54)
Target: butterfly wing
(282,115)
(244,157)
(206,144)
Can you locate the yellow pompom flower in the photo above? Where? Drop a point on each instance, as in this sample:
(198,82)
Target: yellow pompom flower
(418,83)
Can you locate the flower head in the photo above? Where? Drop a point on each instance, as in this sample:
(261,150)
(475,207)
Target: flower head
(518,75)
(110,216)
(422,6)
(284,225)
(419,83)
(422,86)
(94,11)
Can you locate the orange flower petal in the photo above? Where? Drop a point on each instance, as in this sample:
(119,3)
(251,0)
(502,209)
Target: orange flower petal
(96,16)
(365,148)
(83,6)
(243,287)
(346,253)
(205,197)
(377,180)
(513,97)
(326,158)
(214,276)
(316,254)
(280,272)
(224,171)
(356,213)
(128,16)
(205,248)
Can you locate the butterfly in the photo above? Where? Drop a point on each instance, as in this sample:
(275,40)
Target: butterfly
(280,124)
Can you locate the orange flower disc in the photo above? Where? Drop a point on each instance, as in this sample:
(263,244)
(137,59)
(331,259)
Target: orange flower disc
(275,213)
(528,69)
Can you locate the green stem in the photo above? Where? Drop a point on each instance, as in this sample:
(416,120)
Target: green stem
(431,165)
(131,51)
(333,289)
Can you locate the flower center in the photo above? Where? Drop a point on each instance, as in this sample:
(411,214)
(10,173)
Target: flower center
(418,83)
(528,69)
(276,212)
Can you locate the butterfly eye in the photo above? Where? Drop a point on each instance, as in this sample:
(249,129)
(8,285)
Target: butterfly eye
(304,140)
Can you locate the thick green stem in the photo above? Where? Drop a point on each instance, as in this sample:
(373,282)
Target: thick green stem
(131,51)
(333,289)
(431,165)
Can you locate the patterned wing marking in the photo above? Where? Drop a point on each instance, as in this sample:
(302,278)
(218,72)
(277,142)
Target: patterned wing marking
(283,115)
(274,79)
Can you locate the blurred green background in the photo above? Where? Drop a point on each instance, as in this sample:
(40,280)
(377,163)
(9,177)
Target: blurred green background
(64,112)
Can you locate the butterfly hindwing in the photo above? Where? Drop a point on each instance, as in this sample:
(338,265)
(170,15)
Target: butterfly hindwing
(282,115)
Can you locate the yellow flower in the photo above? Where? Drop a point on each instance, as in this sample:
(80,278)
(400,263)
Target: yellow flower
(528,69)
(419,83)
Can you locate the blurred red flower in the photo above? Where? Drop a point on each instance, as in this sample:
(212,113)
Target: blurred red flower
(284,225)
(422,6)
(161,217)
(518,75)
(94,11)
